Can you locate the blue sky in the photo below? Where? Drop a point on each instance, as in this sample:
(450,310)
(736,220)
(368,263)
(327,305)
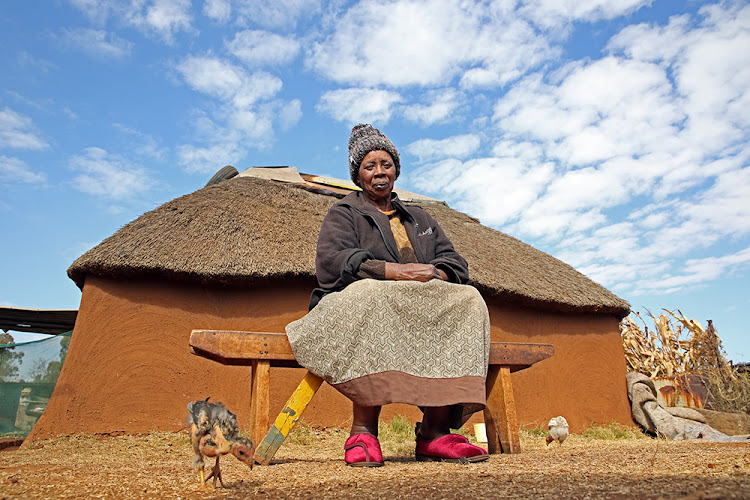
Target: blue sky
(612,134)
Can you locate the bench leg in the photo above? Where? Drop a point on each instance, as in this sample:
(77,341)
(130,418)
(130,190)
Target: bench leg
(259,396)
(289,416)
(500,413)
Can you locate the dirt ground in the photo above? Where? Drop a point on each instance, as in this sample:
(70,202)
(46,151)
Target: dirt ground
(310,465)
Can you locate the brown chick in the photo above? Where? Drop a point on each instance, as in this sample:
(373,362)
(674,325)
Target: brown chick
(213,433)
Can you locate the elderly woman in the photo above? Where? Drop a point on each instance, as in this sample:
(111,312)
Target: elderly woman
(393,320)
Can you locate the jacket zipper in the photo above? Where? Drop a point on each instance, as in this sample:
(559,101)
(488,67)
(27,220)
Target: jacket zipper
(417,250)
(382,234)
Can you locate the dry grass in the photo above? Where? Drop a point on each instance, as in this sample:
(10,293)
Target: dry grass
(613,431)
(310,465)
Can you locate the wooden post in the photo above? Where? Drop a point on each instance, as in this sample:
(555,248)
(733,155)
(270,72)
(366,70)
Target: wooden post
(288,417)
(260,390)
(500,413)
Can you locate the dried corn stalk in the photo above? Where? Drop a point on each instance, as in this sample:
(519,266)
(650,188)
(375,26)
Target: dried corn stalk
(662,352)
(659,352)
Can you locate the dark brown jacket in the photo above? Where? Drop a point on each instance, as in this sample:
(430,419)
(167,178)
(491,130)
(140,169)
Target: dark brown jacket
(354,230)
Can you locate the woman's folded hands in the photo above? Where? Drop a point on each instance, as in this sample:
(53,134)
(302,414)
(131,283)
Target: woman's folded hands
(413,272)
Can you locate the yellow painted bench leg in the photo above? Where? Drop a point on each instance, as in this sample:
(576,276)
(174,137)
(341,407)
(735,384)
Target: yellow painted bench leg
(289,416)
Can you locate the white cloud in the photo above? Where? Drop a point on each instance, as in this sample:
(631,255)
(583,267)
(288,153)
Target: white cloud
(290,114)
(17,131)
(108,176)
(622,166)
(277,14)
(722,210)
(459,146)
(15,170)
(493,189)
(226,81)
(96,10)
(427,43)
(441,105)
(97,43)
(27,60)
(197,159)
(598,111)
(163,18)
(355,105)
(212,76)
(143,144)
(359,105)
(644,42)
(505,48)
(611,122)
(697,272)
(218,10)
(258,86)
(255,48)
(652,244)
(248,108)
(529,152)
(477,78)
(551,13)
(711,70)
(228,139)
(252,124)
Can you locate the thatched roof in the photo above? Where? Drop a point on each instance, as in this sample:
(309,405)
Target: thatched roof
(249,229)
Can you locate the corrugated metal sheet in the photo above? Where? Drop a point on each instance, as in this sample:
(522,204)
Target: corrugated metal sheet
(686,390)
(350,186)
(328,185)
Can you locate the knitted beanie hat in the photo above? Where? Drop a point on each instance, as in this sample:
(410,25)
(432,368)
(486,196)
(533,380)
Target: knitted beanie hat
(366,138)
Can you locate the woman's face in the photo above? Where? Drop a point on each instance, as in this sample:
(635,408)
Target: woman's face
(377,172)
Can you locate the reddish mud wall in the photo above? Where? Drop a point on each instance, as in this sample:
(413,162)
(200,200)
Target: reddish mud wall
(584,381)
(129,368)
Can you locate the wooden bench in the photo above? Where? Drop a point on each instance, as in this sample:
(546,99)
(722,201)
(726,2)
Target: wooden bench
(264,350)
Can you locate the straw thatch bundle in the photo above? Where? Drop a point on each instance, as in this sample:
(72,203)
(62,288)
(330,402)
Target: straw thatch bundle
(247,229)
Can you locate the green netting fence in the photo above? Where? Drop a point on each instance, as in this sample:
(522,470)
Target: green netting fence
(28,374)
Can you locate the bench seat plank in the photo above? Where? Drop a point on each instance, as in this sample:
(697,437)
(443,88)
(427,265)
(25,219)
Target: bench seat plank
(242,347)
(518,355)
(262,350)
(232,346)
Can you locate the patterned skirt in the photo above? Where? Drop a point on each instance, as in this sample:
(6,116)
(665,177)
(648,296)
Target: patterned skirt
(380,342)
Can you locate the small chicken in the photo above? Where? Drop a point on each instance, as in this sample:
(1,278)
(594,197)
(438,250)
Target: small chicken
(558,430)
(213,433)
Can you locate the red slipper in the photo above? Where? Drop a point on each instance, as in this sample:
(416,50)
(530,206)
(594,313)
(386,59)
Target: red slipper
(449,448)
(363,450)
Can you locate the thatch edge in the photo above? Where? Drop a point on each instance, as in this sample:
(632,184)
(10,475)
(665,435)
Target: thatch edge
(606,303)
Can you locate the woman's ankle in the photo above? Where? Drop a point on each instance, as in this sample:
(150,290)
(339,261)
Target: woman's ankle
(363,429)
(365,420)
(435,424)
(426,434)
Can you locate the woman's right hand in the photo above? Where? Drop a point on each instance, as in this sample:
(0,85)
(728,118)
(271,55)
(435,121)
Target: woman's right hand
(413,272)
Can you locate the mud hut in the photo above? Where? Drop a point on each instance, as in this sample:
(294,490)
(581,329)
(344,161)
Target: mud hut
(239,255)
